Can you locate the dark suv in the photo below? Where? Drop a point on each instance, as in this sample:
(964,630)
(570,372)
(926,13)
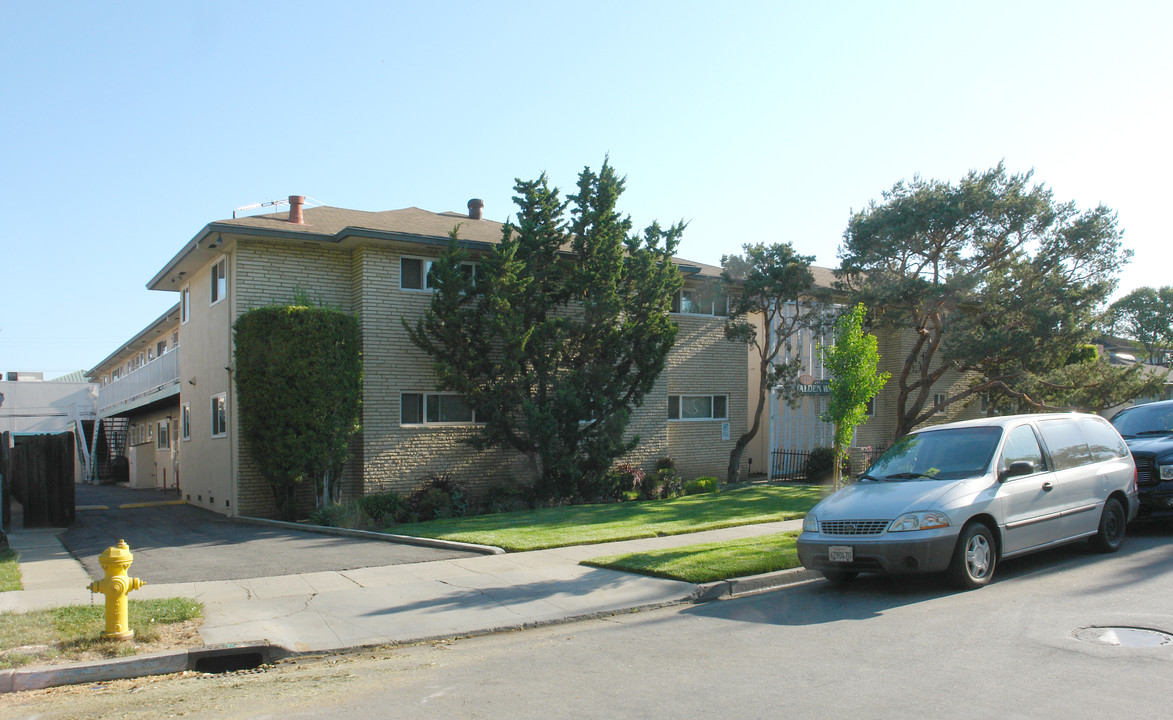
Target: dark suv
(1148,430)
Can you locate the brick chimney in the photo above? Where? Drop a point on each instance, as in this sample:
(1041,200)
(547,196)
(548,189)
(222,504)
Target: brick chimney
(295,203)
(474,208)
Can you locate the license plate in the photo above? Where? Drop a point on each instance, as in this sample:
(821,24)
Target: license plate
(840,553)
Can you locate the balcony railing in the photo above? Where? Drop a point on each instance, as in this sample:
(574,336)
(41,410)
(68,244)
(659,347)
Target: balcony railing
(156,375)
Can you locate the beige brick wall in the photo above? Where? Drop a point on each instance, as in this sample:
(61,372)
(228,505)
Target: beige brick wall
(269,273)
(398,457)
(705,363)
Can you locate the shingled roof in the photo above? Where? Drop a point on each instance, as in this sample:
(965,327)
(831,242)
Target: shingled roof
(338,225)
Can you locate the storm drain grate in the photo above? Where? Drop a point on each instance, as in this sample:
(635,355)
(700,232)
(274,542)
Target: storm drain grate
(1130,637)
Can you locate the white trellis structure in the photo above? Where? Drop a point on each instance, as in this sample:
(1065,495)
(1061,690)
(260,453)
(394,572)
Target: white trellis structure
(795,431)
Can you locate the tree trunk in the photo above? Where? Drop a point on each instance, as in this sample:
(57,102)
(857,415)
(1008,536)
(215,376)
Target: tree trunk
(837,466)
(733,473)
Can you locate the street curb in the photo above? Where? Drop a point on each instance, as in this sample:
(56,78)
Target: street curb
(369,535)
(733,587)
(160,663)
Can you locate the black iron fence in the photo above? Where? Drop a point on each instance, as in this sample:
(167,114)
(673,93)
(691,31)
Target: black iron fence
(788,464)
(793,464)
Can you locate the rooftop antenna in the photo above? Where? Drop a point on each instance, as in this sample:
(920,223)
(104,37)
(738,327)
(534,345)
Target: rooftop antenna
(268,203)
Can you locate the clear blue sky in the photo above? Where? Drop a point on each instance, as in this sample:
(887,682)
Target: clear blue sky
(126,127)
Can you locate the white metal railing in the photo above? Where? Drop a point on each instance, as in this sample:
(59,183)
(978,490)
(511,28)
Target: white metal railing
(154,376)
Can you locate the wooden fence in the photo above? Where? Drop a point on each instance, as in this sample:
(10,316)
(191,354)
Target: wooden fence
(40,474)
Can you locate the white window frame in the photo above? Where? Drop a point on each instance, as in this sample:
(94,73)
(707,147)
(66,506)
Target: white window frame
(217,400)
(185,422)
(869,409)
(218,275)
(426,272)
(427,399)
(184,304)
(163,435)
(712,405)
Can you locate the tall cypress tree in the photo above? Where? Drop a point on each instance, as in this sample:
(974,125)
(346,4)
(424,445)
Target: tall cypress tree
(561,333)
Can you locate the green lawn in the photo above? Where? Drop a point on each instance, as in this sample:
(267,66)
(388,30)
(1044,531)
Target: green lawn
(9,571)
(45,634)
(589,524)
(706,562)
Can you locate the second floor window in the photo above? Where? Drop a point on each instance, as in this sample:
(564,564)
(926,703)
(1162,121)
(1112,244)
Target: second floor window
(185,304)
(219,283)
(698,302)
(416,273)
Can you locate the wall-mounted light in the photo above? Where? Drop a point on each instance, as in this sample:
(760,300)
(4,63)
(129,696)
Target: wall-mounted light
(191,380)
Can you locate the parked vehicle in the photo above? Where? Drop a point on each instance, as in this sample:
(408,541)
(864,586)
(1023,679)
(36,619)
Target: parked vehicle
(962,497)
(1148,430)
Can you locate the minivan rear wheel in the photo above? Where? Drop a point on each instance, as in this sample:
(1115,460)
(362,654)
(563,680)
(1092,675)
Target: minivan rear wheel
(1110,535)
(974,557)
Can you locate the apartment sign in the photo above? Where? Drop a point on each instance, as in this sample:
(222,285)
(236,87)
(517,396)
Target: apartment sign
(807,385)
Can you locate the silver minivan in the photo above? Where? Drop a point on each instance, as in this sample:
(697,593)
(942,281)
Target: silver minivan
(962,496)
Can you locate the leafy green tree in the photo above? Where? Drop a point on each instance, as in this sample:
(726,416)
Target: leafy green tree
(1145,316)
(299,388)
(990,277)
(562,331)
(851,363)
(774,285)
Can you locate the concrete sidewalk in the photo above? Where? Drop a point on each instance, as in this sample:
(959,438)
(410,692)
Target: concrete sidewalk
(394,604)
(337,610)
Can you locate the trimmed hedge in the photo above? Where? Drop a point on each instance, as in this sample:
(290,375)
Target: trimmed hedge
(299,385)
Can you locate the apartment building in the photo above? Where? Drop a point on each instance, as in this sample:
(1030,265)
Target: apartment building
(374,265)
(139,405)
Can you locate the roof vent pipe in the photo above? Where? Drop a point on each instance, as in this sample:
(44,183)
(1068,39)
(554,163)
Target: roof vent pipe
(474,208)
(295,203)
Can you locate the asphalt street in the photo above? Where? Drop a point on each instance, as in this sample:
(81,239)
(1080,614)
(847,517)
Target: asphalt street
(183,543)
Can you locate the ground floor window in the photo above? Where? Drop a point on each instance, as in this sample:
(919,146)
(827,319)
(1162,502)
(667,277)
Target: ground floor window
(163,437)
(698,407)
(219,415)
(434,409)
(185,421)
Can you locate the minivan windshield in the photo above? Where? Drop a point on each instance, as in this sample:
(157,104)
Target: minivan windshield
(1152,419)
(938,455)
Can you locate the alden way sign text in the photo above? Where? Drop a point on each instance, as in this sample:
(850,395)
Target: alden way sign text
(814,387)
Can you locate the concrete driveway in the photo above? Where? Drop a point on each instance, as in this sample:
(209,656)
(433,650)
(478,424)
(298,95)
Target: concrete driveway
(184,543)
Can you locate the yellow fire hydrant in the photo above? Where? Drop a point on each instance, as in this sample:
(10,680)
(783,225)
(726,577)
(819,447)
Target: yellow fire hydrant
(116,561)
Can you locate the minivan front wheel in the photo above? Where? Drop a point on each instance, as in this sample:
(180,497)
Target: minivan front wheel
(1110,536)
(974,557)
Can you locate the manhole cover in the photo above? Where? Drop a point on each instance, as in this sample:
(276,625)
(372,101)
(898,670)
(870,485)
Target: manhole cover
(1124,636)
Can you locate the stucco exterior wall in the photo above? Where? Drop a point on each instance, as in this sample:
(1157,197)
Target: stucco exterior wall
(150,465)
(206,476)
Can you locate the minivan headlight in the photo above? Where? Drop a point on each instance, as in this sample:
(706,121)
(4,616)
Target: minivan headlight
(919,521)
(810,523)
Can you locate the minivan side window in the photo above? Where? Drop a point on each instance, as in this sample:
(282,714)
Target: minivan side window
(1021,444)
(1102,438)
(1066,442)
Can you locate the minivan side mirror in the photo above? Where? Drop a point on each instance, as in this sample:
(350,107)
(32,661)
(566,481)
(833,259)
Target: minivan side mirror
(1018,468)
